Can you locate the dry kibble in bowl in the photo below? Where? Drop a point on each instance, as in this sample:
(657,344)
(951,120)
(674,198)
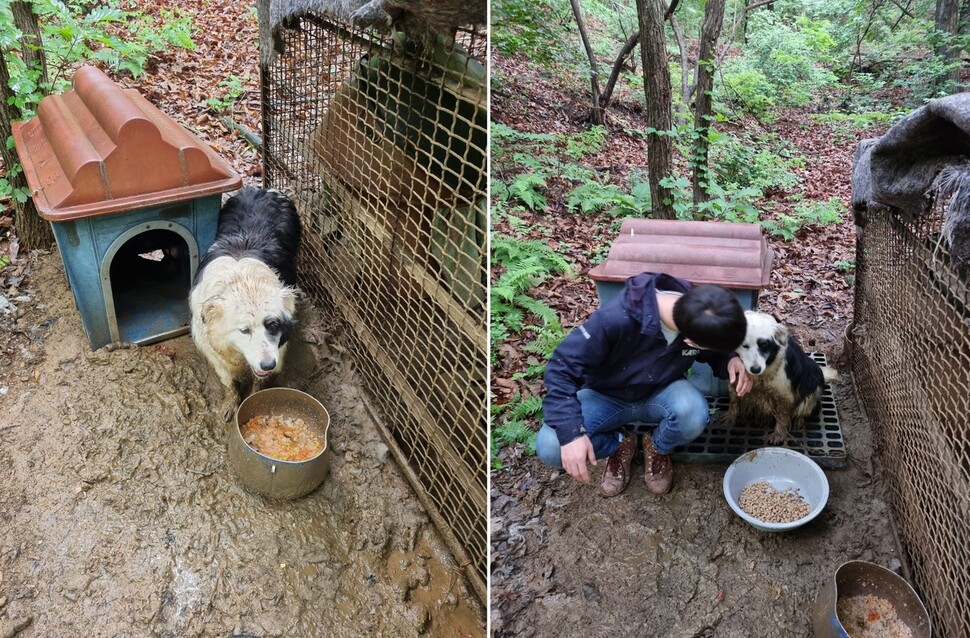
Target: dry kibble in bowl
(771,505)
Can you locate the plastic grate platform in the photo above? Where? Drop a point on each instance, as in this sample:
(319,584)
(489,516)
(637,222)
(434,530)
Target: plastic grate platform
(820,439)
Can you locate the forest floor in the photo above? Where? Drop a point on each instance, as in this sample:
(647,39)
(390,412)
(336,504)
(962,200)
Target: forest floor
(120,515)
(566,560)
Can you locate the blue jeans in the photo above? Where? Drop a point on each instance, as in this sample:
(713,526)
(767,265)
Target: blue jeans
(679,410)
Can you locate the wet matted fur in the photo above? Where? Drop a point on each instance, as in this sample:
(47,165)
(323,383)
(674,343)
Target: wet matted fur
(786,383)
(243,300)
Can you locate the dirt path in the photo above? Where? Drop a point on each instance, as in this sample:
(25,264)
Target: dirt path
(120,516)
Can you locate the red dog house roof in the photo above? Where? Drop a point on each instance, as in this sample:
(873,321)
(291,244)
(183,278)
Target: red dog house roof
(730,255)
(99,149)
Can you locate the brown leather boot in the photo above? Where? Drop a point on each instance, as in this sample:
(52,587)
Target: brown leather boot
(659,473)
(617,474)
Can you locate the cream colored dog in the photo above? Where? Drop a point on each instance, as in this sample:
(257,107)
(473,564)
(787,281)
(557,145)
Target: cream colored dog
(244,298)
(242,316)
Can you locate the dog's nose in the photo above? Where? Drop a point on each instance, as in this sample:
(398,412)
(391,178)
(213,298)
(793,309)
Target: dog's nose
(268,365)
(755,369)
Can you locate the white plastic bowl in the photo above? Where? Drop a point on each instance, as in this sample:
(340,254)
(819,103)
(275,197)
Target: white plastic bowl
(783,469)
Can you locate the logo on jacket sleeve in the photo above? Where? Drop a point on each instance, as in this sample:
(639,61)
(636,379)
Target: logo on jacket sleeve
(690,352)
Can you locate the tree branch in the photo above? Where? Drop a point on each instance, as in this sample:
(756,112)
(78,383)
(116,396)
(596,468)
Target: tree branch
(631,43)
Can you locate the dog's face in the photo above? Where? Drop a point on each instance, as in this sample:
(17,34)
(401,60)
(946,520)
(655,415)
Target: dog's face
(253,317)
(764,343)
(259,339)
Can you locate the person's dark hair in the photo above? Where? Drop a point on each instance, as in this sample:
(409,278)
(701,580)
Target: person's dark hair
(711,317)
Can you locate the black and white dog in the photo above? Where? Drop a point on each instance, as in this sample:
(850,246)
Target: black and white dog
(786,383)
(243,300)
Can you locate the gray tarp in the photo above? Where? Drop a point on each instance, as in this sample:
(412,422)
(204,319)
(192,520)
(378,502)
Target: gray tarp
(417,16)
(924,156)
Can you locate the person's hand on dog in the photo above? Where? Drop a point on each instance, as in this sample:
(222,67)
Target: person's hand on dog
(575,454)
(738,376)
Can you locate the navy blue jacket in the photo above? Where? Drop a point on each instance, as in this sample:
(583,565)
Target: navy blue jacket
(620,351)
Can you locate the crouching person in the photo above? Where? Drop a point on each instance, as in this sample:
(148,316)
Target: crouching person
(627,364)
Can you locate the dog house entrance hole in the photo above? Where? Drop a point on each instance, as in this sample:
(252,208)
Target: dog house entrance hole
(146,276)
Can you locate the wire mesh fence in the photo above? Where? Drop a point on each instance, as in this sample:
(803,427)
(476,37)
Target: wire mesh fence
(381,141)
(911,363)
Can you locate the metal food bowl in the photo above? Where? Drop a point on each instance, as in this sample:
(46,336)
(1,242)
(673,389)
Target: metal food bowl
(271,477)
(782,469)
(861,578)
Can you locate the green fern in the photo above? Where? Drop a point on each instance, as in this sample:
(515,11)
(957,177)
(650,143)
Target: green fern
(524,265)
(527,188)
(511,432)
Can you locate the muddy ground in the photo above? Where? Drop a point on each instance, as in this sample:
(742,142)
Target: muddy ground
(566,560)
(120,516)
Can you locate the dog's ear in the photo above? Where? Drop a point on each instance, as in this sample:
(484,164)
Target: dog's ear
(211,310)
(287,324)
(781,334)
(289,297)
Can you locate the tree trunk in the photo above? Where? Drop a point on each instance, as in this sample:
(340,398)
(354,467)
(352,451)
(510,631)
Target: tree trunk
(596,116)
(659,97)
(710,32)
(32,231)
(685,89)
(32,45)
(947,21)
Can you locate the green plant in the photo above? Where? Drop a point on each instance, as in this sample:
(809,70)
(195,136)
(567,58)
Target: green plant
(781,63)
(7,189)
(546,338)
(234,87)
(751,162)
(510,432)
(536,28)
(524,264)
(751,88)
(76,31)
(737,206)
(593,197)
(787,226)
(527,188)
(846,126)
(844,265)
(587,142)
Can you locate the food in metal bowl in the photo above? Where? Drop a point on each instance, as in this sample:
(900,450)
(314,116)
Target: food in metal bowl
(870,617)
(282,438)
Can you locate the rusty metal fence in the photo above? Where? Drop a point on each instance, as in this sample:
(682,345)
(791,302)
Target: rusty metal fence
(910,348)
(381,141)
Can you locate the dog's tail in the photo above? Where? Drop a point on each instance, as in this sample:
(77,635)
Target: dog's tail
(830,374)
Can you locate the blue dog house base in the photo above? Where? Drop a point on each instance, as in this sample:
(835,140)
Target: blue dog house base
(131,272)
(133,200)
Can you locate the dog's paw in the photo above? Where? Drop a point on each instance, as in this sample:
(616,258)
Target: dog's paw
(371,14)
(723,420)
(776,437)
(229,409)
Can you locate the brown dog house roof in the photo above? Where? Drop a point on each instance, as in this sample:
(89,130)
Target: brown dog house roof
(730,255)
(99,149)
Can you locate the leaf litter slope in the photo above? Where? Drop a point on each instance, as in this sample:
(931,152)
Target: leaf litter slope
(120,514)
(682,564)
